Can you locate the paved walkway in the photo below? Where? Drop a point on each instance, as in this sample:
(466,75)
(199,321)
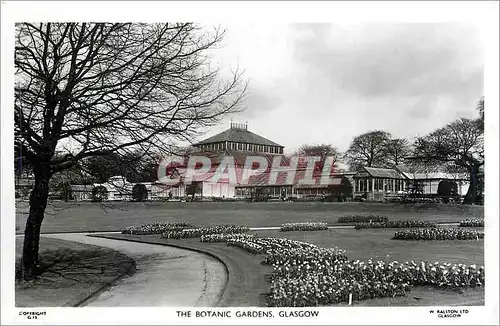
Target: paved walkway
(165,276)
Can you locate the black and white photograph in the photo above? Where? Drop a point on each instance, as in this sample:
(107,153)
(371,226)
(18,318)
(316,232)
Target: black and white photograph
(249,163)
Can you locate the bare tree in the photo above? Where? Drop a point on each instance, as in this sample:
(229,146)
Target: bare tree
(322,151)
(90,89)
(135,166)
(460,143)
(480,108)
(368,149)
(396,150)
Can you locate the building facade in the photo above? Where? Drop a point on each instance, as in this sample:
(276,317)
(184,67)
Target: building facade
(380,184)
(239,138)
(239,143)
(377,184)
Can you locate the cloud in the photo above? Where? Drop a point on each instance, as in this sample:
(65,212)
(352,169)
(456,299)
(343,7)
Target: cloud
(327,83)
(399,59)
(261,99)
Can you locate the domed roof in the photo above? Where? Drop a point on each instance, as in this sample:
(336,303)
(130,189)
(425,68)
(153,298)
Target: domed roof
(239,133)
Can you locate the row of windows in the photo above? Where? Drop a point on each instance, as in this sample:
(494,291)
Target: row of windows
(272,191)
(281,191)
(242,147)
(212,147)
(366,185)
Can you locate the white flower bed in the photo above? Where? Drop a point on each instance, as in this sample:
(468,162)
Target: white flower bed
(307,275)
(304,226)
(225,237)
(473,222)
(196,233)
(438,234)
(155,228)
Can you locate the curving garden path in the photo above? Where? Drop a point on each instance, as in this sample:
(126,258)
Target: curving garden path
(162,277)
(185,273)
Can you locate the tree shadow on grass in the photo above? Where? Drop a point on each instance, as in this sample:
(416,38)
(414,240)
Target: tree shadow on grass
(67,276)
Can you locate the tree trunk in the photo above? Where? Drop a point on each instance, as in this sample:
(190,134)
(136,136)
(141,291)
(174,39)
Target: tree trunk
(470,197)
(38,203)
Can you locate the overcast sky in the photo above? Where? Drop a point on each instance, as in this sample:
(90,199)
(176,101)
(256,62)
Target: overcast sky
(324,83)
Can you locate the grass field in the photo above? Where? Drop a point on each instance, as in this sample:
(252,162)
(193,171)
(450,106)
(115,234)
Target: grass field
(360,244)
(364,244)
(85,216)
(71,273)
(376,244)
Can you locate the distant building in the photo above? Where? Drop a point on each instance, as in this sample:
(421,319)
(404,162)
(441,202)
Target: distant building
(81,192)
(239,138)
(236,142)
(23,185)
(116,192)
(379,184)
(239,143)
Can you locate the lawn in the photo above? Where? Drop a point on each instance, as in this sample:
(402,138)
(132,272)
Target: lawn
(85,216)
(360,244)
(376,244)
(72,272)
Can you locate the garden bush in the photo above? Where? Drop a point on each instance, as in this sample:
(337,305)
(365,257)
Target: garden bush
(438,234)
(362,218)
(156,228)
(304,226)
(473,222)
(395,225)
